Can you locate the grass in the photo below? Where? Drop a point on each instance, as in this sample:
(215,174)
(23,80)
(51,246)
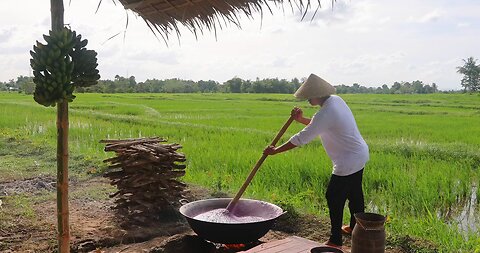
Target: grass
(16,208)
(95,192)
(16,214)
(424,150)
(22,159)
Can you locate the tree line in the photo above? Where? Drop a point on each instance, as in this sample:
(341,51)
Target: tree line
(470,82)
(235,85)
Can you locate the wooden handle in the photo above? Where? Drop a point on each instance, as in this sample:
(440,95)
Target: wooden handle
(234,201)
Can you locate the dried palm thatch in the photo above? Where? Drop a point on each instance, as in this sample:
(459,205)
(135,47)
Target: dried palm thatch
(164,16)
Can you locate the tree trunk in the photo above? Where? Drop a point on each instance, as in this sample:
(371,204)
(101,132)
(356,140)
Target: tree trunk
(62,149)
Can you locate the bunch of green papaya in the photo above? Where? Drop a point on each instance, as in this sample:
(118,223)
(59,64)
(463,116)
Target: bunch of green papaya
(60,65)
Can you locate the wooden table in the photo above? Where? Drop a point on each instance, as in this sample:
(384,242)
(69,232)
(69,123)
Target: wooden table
(292,244)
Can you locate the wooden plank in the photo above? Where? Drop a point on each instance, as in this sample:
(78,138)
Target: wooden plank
(293,244)
(285,248)
(305,246)
(302,247)
(265,246)
(297,247)
(306,240)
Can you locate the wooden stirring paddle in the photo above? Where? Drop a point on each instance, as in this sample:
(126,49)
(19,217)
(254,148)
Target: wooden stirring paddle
(234,201)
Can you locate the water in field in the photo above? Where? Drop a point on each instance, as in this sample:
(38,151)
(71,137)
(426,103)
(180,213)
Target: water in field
(468,218)
(465,215)
(222,215)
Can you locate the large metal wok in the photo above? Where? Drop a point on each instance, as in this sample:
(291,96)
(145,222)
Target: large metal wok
(231,233)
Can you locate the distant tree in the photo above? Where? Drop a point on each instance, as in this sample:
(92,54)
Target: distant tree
(355,88)
(395,88)
(124,85)
(406,88)
(281,86)
(430,89)
(207,86)
(98,88)
(190,86)
(222,88)
(110,86)
(471,75)
(385,89)
(25,84)
(28,87)
(10,85)
(131,81)
(234,85)
(295,84)
(173,86)
(417,87)
(246,87)
(258,86)
(342,89)
(151,85)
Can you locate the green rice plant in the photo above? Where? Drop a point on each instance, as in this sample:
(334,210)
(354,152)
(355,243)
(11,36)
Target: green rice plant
(424,150)
(446,237)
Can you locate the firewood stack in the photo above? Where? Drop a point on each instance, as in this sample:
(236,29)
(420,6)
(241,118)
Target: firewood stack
(146,174)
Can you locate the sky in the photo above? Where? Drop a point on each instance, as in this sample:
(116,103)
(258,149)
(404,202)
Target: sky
(367,42)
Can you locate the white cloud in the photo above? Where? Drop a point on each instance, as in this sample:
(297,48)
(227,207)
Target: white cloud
(432,16)
(363,41)
(281,62)
(6,34)
(168,58)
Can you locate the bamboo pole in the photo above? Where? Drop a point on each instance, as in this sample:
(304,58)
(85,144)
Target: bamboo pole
(240,192)
(57,13)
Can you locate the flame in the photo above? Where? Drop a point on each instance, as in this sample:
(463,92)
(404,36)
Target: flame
(235,246)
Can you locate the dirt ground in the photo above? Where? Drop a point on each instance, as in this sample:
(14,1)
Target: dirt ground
(95,228)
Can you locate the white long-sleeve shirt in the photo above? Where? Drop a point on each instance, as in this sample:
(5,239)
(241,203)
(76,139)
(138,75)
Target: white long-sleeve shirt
(336,126)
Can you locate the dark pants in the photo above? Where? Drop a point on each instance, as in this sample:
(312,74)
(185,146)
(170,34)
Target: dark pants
(341,188)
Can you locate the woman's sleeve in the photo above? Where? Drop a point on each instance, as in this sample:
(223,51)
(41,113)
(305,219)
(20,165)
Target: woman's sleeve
(311,131)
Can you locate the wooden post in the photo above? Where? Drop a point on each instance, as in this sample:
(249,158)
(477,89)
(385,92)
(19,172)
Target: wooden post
(62,177)
(62,148)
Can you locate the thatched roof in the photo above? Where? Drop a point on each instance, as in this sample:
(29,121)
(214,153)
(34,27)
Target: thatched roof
(164,16)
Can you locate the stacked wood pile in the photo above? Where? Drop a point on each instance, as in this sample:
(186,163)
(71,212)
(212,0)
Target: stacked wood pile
(146,174)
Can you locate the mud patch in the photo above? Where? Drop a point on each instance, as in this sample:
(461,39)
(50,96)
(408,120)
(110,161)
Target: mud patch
(95,228)
(31,186)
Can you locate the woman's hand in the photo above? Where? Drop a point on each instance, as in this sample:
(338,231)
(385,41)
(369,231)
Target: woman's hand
(297,113)
(270,150)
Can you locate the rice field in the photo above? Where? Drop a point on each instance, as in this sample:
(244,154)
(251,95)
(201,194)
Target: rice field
(423,171)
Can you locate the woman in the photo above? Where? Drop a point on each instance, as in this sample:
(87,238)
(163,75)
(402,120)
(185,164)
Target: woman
(335,125)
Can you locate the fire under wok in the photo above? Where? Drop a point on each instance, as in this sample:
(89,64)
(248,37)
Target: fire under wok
(257,217)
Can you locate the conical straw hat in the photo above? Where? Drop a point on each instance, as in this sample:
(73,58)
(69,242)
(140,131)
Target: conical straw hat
(314,87)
